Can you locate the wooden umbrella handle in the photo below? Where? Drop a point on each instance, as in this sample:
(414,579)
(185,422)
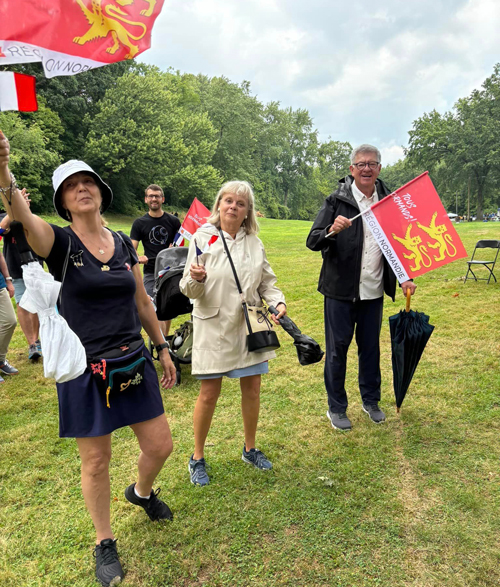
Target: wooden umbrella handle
(408,298)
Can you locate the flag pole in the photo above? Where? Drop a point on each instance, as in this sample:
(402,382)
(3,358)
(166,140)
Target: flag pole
(333,233)
(196,249)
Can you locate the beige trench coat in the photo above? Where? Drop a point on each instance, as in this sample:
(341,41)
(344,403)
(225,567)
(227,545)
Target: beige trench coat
(219,331)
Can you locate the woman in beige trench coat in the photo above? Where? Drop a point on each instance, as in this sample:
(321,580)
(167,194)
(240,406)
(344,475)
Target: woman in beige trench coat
(219,347)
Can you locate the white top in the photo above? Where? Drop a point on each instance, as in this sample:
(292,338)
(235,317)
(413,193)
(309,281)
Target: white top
(371,284)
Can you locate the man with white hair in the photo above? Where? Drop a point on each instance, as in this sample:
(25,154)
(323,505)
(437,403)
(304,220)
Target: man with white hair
(353,279)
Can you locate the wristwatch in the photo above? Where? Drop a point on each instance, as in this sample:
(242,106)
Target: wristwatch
(160,347)
(8,279)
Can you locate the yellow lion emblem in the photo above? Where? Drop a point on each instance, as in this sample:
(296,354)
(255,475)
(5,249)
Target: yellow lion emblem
(109,21)
(444,241)
(413,244)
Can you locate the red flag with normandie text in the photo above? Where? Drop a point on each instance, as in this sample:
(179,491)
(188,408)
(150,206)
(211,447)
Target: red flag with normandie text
(71,36)
(413,230)
(196,216)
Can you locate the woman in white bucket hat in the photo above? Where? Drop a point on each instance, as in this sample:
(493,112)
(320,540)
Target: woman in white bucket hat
(104,302)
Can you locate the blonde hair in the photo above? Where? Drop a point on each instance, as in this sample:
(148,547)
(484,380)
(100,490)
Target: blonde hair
(238,188)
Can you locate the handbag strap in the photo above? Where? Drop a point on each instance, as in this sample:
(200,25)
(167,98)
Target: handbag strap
(243,302)
(65,268)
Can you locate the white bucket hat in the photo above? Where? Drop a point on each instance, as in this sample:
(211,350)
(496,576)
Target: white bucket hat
(69,168)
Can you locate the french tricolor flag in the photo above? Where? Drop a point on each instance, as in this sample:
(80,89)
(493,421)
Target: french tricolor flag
(211,241)
(178,240)
(17,92)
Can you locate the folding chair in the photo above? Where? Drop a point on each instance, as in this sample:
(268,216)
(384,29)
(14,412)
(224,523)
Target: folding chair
(490,265)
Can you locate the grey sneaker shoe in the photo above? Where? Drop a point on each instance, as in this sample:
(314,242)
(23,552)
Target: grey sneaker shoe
(108,569)
(256,458)
(376,414)
(198,472)
(339,420)
(33,353)
(7,369)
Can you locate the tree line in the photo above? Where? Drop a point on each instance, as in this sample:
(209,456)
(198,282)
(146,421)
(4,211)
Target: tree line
(137,125)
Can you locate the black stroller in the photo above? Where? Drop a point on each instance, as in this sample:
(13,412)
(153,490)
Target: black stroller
(170,302)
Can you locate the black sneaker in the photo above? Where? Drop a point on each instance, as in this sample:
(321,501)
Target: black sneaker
(256,458)
(376,414)
(39,347)
(154,507)
(108,569)
(339,420)
(7,369)
(198,472)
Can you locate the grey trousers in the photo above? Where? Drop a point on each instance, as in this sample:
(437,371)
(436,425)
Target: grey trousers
(8,322)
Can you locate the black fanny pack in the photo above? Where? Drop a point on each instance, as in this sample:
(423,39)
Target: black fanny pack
(119,369)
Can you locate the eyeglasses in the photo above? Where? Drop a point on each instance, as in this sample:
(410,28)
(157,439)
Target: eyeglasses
(370,164)
(154,197)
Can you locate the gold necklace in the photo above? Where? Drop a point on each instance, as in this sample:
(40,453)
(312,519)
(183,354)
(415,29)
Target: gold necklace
(101,251)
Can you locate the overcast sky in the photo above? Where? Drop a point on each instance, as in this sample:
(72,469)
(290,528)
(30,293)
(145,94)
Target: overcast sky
(364,69)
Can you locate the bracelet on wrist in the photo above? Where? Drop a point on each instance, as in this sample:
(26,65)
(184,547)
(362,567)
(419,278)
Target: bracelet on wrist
(9,190)
(160,347)
(8,279)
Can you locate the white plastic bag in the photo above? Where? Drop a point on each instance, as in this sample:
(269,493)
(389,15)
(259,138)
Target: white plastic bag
(64,357)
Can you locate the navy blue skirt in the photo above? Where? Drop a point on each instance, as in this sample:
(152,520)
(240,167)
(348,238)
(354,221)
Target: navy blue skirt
(83,411)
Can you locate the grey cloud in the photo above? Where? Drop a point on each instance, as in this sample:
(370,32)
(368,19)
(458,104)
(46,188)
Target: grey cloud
(364,72)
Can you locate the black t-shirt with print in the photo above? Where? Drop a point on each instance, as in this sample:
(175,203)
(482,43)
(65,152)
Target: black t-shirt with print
(155,234)
(97,298)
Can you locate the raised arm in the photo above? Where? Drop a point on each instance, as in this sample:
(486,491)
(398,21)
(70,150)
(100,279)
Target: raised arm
(38,232)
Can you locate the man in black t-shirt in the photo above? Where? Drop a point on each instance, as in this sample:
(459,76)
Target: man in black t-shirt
(156,231)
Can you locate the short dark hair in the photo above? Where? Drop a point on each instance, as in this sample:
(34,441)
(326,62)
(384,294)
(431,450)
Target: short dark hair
(154,188)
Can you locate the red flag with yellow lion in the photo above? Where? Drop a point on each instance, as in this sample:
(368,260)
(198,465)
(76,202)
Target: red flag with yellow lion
(413,230)
(71,36)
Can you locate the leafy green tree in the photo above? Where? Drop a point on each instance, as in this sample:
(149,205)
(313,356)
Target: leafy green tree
(334,158)
(73,97)
(34,141)
(288,153)
(463,145)
(238,120)
(143,133)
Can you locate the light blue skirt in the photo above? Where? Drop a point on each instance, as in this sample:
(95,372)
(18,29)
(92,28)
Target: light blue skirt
(258,369)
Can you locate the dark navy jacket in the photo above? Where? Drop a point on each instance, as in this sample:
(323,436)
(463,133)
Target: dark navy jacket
(341,270)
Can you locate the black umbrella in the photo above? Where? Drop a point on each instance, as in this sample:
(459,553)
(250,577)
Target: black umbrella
(410,332)
(308,350)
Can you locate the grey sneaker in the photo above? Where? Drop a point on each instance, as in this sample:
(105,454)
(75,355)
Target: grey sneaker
(33,353)
(108,569)
(7,369)
(339,420)
(198,472)
(375,413)
(256,458)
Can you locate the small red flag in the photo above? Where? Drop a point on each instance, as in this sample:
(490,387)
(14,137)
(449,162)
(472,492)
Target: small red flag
(17,92)
(197,216)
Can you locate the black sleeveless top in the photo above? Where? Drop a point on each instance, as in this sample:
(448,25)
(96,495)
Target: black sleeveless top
(97,298)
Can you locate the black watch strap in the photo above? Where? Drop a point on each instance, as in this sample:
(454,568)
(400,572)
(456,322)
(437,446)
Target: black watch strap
(160,347)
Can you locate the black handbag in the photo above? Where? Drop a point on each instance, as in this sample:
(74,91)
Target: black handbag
(119,369)
(261,337)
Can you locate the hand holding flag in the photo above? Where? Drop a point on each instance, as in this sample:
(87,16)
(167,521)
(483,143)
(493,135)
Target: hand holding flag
(340,223)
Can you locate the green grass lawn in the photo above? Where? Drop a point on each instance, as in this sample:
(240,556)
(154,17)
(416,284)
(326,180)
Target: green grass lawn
(413,502)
